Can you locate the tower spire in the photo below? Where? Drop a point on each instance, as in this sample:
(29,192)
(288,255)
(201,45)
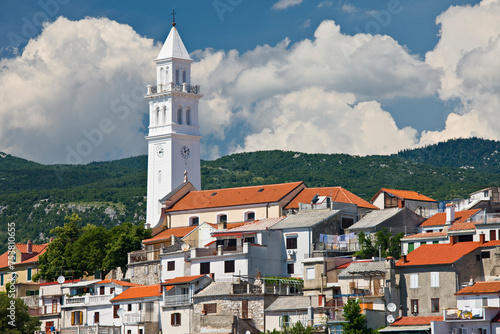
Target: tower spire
(173,17)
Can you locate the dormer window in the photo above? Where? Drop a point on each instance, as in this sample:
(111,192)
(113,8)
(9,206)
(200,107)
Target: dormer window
(249,216)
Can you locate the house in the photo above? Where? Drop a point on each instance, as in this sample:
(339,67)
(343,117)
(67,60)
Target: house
(393,198)
(487,199)
(430,275)
(477,311)
(242,250)
(237,307)
(328,198)
(18,267)
(395,220)
(285,311)
(186,207)
(177,302)
(442,225)
(138,309)
(373,283)
(302,235)
(412,325)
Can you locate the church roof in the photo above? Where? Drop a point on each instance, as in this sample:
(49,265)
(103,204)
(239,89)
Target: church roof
(173,47)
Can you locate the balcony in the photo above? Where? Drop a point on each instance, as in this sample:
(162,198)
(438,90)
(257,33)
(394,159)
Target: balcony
(87,300)
(31,301)
(137,318)
(171,87)
(455,314)
(489,218)
(176,300)
(221,250)
(144,256)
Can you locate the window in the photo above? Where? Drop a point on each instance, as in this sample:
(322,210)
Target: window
(76,318)
(184,76)
(414,306)
(115,311)
(210,308)
(175,319)
(411,247)
(54,305)
(146,270)
(204,268)
(155,269)
(284,321)
(129,307)
(434,305)
(229,266)
(413,281)
(179,115)
(177,79)
(194,221)
(434,280)
(249,216)
(290,268)
(188,116)
(140,306)
(484,301)
(96,317)
(250,240)
(222,218)
(170,265)
(485,255)
(101,290)
(310,274)
(141,331)
(29,273)
(493,235)
(129,331)
(291,243)
(2,279)
(111,291)
(131,272)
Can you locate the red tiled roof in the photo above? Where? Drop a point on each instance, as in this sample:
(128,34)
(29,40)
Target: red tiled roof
(439,218)
(118,282)
(416,321)
(179,232)
(257,225)
(426,235)
(481,287)
(23,248)
(338,194)
(183,279)
(405,194)
(234,196)
(438,253)
(139,292)
(37,250)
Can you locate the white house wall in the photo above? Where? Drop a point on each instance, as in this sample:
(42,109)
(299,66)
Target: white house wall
(166,320)
(180,266)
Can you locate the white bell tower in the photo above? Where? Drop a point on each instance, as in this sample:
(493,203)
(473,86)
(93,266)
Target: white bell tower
(174,136)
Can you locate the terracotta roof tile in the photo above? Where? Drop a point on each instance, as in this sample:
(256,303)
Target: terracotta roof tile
(338,194)
(179,232)
(118,282)
(257,225)
(23,248)
(183,279)
(36,251)
(481,287)
(234,196)
(416,321)
(438,254)
(139,292)
(426,235)
(439,219)
(345,265)
(405,194)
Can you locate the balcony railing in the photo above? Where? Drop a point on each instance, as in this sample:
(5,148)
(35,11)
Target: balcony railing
(88,300)
(143,256)
(31,301)
(220,250)
(489,218)
(171,87)
(136,318)
(177,300)
(34,311)
(463,314)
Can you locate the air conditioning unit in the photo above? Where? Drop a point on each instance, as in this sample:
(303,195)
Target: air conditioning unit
(290,252)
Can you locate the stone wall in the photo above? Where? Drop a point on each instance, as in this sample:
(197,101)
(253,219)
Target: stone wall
(137,273)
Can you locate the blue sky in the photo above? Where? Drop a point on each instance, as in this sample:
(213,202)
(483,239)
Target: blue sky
(357,77)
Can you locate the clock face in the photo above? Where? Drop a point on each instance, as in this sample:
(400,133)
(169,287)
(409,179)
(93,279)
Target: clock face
(185,152)
(159,151)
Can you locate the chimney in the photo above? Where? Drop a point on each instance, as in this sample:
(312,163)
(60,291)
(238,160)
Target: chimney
(401,204)
(212,276)
(51,239)
(450,213)
(481,238)
(403,258)
(452,240)
(222,225)
(29,247)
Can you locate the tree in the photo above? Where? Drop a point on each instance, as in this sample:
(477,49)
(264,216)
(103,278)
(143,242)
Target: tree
(14,317)
(297,328)
(366,248)
(355,322)
(395,246)
(387,244)
(89,250)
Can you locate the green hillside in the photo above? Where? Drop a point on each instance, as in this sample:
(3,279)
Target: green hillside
(37,197)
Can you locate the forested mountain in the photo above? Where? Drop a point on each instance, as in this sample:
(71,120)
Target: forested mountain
(38,197)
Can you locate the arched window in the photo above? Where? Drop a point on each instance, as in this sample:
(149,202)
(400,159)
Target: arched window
(188,116)
(159,176)
(165,78)
(164,114)
(179,115)
(194,221)
(183,76)
(162,75)
(157,120)
(222,218)
(177,76)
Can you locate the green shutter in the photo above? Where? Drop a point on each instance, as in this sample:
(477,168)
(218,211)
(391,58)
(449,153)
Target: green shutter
(411,247)
(29,274)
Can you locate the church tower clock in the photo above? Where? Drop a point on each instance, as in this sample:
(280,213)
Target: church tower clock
(174,136)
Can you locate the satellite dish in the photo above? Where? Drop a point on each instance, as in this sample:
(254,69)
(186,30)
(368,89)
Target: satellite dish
(315,199)
(61,279)
(185,247)
(120,312)
(390,318)
(391,307)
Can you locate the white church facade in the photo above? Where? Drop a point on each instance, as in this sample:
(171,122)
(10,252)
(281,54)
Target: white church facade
(174,136)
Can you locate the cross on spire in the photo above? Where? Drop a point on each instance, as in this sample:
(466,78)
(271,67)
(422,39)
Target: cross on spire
(173,17)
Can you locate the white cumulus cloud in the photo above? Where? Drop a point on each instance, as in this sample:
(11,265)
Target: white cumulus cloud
(284,4)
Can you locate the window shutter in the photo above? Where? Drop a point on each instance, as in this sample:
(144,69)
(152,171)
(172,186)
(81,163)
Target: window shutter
(81,318)
(73,318)
(172,319)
